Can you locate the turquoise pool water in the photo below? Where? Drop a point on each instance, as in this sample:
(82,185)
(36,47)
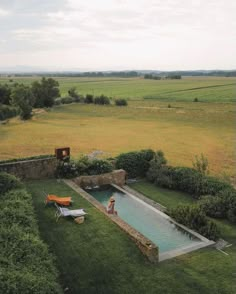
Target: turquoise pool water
(146,220)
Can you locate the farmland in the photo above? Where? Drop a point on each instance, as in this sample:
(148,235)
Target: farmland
(205,89)
(174,123)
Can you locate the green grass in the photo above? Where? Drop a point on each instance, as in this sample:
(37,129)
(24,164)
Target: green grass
(206,89)
(97,257)
(165,197)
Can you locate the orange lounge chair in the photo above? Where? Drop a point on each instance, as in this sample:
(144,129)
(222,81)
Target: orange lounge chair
(65,201)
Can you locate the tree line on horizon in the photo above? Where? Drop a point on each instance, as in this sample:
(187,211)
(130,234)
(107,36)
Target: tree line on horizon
(126,74)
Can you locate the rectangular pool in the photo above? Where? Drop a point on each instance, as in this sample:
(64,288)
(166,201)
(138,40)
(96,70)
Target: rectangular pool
(153,224)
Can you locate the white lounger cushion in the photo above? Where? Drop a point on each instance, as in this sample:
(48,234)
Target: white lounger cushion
(74,212)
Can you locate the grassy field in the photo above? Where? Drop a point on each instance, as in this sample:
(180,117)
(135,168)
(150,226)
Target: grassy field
(182,131)
(97,257)
(206,89)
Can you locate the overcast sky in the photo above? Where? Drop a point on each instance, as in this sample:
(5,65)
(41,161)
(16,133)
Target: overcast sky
(118,34)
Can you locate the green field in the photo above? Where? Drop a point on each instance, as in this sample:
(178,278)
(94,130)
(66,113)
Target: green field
(206,89)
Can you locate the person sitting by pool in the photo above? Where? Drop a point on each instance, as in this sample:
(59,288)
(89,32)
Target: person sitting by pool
(111,206)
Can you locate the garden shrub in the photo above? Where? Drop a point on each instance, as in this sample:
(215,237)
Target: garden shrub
(17,208)
(214,206)
(26,265)
(66,169)
(99,166)
(156,163)
(212,186)
(186,179)
(83,166)
(8,182)
(121,102)
(194,218)
(135,163)
(22,280)
(222,205)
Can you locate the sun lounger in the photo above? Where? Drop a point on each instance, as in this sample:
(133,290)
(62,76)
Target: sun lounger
(62,211)
(65,201)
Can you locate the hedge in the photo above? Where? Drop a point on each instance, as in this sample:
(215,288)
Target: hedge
(135,163)
(8,182)
(194,218)
(219,199)
(83,166)
(187,180)
(26,265)
(222,205)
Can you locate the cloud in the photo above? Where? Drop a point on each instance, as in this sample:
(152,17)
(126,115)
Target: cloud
(87,27)
(32,6)
(4,12)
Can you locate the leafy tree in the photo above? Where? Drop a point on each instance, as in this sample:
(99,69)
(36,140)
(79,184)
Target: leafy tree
(45,92)
(102,100)
(22,98)
(5,93)
(135,163)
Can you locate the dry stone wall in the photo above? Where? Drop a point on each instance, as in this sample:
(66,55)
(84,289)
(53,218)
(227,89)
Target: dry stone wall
(116,177)
(31,169)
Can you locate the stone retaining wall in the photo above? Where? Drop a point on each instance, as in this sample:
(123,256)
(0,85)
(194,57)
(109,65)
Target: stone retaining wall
(147,247)
(31,169)
(116,177)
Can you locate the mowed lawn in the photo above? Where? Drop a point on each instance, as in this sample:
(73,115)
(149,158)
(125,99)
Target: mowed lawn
(205,89)
(165,197)
(182,131)
(97,257)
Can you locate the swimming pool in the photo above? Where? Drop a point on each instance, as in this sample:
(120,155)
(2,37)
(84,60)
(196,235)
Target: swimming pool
(153,224)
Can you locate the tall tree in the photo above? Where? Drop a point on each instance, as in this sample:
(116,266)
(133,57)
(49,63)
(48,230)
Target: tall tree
(45,92)
(5,93)
(23,99)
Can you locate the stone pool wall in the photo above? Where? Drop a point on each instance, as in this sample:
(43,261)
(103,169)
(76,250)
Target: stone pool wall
(147,247)
(116,177)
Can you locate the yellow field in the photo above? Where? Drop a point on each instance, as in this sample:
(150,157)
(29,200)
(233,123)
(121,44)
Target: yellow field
(182,131)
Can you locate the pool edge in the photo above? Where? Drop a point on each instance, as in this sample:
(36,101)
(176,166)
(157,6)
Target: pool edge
(146,246)
(204,242)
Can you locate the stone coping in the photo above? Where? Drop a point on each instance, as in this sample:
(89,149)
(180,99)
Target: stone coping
(27,160)
(144,198)
(147,247)
(203,241)
(142,242)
